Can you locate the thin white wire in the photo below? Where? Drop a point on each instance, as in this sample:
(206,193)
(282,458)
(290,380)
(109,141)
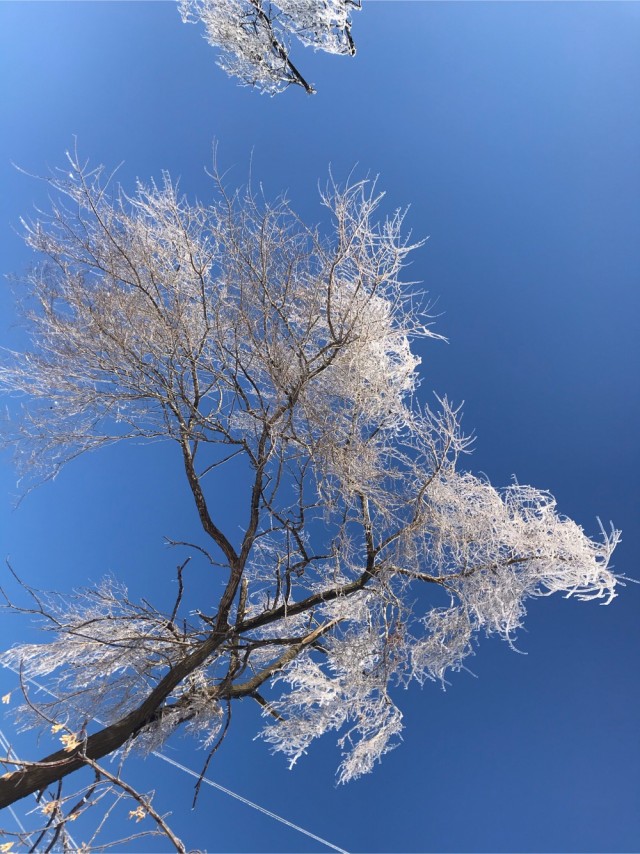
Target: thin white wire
(206,780)
(248,802)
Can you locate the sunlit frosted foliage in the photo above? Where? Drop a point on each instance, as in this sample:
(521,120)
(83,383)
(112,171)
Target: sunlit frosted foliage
(325,25)
(445,645)
(253,341)
(253,37)
(205,319)
(98,632)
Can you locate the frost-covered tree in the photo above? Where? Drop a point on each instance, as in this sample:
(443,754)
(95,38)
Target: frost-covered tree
(248,339)
(254,37)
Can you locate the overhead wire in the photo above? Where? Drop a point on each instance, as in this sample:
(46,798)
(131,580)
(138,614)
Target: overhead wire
(249,803)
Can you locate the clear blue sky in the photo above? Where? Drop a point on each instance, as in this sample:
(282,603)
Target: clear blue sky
(513,130)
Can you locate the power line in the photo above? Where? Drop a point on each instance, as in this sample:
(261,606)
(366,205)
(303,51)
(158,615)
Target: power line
(249,803)
(197,776)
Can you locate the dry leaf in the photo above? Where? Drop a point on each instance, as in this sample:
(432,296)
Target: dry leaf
(70,742)
(49,807)
(138,813)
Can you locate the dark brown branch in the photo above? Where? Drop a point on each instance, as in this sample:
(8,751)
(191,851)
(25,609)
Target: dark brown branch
(50,821)
(203,511)
(291,609)
(266,706)
(262,457)
(211,754)
(248,688)
(280,50)
(36,776)
(180,592)
(60,824)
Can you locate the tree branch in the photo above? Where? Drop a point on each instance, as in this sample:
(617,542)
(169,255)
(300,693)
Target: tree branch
(60,764)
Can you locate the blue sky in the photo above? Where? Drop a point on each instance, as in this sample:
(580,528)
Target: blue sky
(513,131)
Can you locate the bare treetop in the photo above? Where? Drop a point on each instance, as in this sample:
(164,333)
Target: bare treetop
(239,333)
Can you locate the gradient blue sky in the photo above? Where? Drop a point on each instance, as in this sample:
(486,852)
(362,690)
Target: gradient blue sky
(513,130)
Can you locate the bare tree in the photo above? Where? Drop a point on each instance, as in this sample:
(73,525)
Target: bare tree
(253,37)
(248,339)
